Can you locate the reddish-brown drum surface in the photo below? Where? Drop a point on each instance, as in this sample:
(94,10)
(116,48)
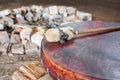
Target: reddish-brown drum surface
(87,57)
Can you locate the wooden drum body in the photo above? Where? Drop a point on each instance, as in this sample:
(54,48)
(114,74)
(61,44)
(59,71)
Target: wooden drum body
(87,57)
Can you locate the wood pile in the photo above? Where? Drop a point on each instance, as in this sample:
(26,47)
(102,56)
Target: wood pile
(31,72)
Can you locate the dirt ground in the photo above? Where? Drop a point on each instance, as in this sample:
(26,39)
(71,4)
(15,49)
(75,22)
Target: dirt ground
(9,64)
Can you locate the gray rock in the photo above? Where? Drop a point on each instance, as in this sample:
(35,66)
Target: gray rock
(29,16)
(41,8)
(84,16)
(37,17)
(25,34)
(57,17)
(52,24)
(16,11)
(4,38)
(53,10)
(32,48)
(46,10)
(5,12)
(46,77)
(35,8)
(8,21)
(65,15)
(3,48)
(17,49)
(23,9)
(1,14)
(28,9)
(71,10)
(36,38)
(19,16)
(47,17)
(62,9)
(1,24)
(15,38)
(19,21)
(69,18)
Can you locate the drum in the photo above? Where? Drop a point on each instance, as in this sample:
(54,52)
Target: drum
(86,57)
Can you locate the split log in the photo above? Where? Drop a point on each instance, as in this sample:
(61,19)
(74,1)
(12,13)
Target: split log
(27,73)
(38,71)
(17,75)
(33,71)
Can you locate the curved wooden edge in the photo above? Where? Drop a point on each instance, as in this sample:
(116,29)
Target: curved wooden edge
(60,72)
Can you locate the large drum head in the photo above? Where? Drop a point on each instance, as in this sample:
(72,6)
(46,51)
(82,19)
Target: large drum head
(95,55)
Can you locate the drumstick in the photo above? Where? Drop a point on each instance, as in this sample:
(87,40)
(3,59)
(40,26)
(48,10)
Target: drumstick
(67,33)
(98,30)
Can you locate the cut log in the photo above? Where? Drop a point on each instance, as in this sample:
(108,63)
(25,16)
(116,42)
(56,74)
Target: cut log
(33,71)
(27,73)
(36,70)
(17,75)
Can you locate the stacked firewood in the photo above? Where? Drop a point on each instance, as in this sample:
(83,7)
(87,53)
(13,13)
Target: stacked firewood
(31,72)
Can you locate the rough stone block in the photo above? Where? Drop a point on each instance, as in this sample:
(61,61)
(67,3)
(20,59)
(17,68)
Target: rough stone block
(57,17)
(3,48)
(47,17)
(4,39)
(46,10)
(23,9)
(69,18)
(84,16)
(41,8)
(8,21)
(1,24)
(37,38)
(5,12)
(71,10)
(32,48)
(29,16)
(53,10)
(62,9)
(17,49)
(1,14)
(19,16)
(36,17)
(35,8)
(19,21)
(16,11)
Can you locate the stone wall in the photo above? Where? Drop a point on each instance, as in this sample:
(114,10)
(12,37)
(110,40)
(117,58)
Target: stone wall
(106,3)
(101,9)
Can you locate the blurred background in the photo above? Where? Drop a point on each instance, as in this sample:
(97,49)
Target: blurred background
(100,9)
